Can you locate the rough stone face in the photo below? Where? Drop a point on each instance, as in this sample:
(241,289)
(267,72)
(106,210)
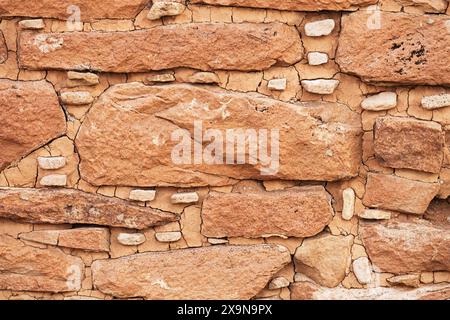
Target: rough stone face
(143,195)
(35,24)
(277,84)
(398,194)
(184,197)
(296,5)
(83,78)
(163,8)
(54,180)
(373,214)
(362,270)
(436,102)
(31,269)
(325,258)
(31,116)
(65,9)
(298,212)
(311,291)
(327,149)
(319,28)
(76,207)
(317,58)
(171,236)
(131,239)
(409,280)
(77,98)
(402,48)
(320,86)
(409,143)
(216,272)
(51,163)
(236,47)
(381,101)
(403,247)
(3,48)
(348,208)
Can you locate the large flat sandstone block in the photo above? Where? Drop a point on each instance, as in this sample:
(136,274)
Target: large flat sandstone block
(236,47)
(217,272)
(409,143)
(295,5)
(298,212)
(395,47)
(59,206)
(317,141)
(399,194)
(66,9)
(403,247)
(27,268)
(30,117)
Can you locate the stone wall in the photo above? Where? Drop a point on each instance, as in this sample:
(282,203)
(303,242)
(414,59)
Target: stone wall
(92,205)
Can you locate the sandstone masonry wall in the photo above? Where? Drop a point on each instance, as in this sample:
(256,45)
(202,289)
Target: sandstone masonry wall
(92,205)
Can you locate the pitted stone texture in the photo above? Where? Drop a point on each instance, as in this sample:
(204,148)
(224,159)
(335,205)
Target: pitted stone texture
(398,194)
(243,47)
(298,212)
(409,143)
(436,102)
(66,9)
(26,268)
(403,48)
(216,272)
(137,151)
(310,291)
(403,247)
(30,117)
(324,258)
(296,5)
(58,206)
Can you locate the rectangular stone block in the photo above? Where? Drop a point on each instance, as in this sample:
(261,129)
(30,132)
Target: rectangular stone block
(244,47)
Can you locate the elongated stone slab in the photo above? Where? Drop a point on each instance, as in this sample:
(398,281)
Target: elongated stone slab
(395,47)
(302,212)
(409,143)
(399,194)
(236,47)
(86,10)
(3,48)
(27,268)
(30,117)
(295,5)
(216,273)
(59,206)
(317,140)
(403,247)
(311,291)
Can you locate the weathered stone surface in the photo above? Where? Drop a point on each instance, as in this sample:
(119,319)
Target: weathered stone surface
(184,197)
(76,207)
(91,239)
(373,214)
(310,291)
(163,8)
(362,270)
(402,247)
(348,207)
(319,28)
(54,180)
(439,213)
(141,153)
(35,24)
(216,272)
(171,236)
(77,98)
(317,58)
(236,47)
(399,194)
(381,101)
(298,212)
(296,5)
(67,9)
(142,195)
(325,258)
(404,48)
(425,5)
(3,48)
(277,84)
(83,78)
(27,268)
(31,116)
(320,86)
(409,143)
(436,102)
(409,280)
(51,163)
(131,239)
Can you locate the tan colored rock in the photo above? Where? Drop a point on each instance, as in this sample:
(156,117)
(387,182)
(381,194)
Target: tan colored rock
(131,239)
(320,86)
(91,239)
(409,280)
(54,180)
(424,5)
(362,270)
(216,272)
(26,124)
(317,58)
(77,98)
(171,236)
(75,207)
(311,291)
(277,84)
(215,241)
(380,101)
(388,52)
(320,28)
(373,214)
(51,163)
(204,78)
(83,78)
(160,77)
(3,49)
(325,258)
(399,194)
(185,197)
(330,148)
(436,102)
(142,195)
(191,222)
(403,247)
(409,143)
(439,213)
(297,5)
(445,183)
(92,50)
(440,277)
(42,236)
(297,212)
(348,208)
(88,10)
(165,8)
(278,283)
(32,269)
(35,24)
